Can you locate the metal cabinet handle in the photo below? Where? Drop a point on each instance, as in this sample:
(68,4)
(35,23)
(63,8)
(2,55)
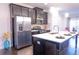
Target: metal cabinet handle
(38,42)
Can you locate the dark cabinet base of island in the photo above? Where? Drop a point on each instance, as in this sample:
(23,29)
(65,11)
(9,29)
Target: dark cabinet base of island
(45,47)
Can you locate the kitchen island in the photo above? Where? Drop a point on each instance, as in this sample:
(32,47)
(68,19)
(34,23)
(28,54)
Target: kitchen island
(52,43)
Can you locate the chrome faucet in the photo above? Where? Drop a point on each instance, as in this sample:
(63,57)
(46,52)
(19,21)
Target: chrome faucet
(56,27)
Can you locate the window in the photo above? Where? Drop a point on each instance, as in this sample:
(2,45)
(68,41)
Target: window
(74,23)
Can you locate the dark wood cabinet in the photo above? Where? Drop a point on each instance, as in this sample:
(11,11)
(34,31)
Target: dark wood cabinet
(32,15)
(17,10)
(43,47)
(45,18)
(38,47)
(25,11)
(38,15)
(41,17)
(50,48)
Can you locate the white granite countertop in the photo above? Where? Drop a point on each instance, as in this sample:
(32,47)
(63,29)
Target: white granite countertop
(52,37)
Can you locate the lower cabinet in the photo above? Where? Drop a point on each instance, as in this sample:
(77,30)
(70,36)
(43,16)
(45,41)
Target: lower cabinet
(43,47)
(38,47)
(50,48)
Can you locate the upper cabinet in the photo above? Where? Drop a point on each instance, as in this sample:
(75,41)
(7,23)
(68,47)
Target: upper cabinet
(45,17)
(40,16)
(17,10)
(25,11)
(32,15)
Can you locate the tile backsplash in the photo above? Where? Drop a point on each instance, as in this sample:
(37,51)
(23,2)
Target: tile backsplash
(42,26)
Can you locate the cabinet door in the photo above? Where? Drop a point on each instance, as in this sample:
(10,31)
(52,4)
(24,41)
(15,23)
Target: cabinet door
(45,17)
(38,15)
(50,48)
(32,15)
(25,11)
(17,10)
(38,46)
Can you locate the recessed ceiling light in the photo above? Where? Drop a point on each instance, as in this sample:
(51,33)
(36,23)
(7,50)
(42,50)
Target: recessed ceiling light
(58,8)
(66,14)
(45,3)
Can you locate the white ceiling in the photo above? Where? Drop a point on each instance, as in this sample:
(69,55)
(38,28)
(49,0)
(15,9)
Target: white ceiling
(62,5)
(72,8)
(40,5)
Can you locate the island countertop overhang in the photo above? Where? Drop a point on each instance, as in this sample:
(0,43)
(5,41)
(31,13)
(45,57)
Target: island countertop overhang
(52,37)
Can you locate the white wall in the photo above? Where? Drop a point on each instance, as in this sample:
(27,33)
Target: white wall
(5,20)
(54,18)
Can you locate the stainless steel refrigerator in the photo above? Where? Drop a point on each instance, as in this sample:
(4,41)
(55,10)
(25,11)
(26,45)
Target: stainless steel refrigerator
(22,32)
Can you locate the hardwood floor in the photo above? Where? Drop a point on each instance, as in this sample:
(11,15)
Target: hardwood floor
(71,48)
(26,51)
(29,50)
(12,51)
